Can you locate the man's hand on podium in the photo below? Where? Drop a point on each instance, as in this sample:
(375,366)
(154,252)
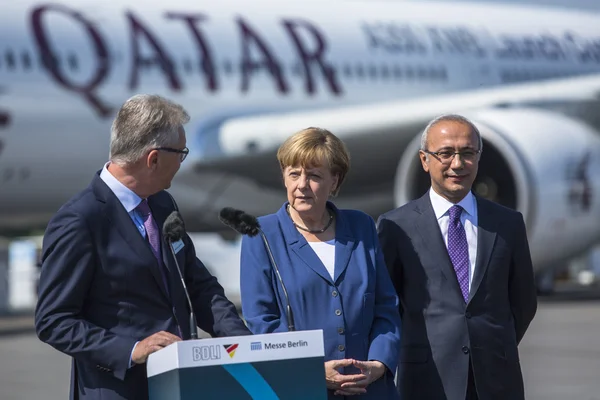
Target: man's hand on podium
(371,370)
(335,380)
(152,344)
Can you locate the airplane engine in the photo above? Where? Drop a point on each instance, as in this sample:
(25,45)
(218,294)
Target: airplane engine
(544,164)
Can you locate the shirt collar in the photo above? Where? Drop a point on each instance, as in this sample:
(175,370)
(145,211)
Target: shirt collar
(441,205)
(126,196)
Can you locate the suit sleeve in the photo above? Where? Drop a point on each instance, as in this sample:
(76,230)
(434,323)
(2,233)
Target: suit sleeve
(389,249)
(522,290)
(215,314)
(67,273)
(385,332)
(259,303)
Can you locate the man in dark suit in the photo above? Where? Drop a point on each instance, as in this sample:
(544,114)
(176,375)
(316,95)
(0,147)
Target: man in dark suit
(110,294)
(463,273)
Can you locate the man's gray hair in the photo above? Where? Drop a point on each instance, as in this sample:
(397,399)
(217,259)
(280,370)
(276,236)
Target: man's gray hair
(453,118)
(144,122)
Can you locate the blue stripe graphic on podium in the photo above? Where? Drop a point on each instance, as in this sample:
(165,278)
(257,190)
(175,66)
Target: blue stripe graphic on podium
(252,382)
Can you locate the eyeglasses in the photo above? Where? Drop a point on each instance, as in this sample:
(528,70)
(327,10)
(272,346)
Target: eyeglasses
(446,156)
(182,153)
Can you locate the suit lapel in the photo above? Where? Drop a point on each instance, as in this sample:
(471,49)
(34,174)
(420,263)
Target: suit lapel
(344,245)
(429,229)
(160,214)
(300,246)
(121,221)
(486,237)
(310,258)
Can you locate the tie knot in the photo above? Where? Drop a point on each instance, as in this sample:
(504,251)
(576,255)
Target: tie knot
(143,207)
(455,212)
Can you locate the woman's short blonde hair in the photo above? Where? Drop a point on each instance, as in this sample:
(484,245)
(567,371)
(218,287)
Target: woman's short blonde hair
(309,147)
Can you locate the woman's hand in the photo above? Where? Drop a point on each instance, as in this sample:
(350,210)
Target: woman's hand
(335,380)
(372,370)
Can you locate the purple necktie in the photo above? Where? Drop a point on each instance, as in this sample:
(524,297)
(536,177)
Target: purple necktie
(153,237)
(458,249)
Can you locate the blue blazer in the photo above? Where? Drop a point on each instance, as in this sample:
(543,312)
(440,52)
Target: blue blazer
(357,309)
(101,290)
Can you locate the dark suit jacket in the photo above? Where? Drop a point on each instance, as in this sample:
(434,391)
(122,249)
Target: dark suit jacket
(101,290)
(357,309)
(440,333)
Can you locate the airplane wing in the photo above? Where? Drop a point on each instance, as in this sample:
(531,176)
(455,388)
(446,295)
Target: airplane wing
(541,154)
(377,134)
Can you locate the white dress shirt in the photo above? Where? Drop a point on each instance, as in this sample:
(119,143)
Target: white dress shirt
(126,197)
(468,219)
(326,253)
(130,201)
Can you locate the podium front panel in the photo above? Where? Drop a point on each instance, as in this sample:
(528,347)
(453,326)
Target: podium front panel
(267,367)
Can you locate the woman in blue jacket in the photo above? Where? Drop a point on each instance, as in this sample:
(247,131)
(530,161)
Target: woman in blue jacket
(331,264)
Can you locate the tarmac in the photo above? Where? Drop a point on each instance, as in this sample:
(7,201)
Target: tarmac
(16,323)
(560,354)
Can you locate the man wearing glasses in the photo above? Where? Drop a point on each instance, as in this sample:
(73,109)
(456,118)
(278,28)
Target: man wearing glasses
(463,273)
(109,292)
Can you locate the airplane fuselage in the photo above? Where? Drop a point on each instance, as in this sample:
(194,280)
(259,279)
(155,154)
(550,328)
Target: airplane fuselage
(66,67)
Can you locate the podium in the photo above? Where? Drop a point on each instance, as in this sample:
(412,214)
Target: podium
(273,366)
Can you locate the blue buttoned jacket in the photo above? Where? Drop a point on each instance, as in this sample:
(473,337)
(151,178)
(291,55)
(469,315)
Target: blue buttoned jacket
(357,309)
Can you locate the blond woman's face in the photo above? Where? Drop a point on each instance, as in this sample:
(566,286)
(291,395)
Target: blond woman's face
(309,188)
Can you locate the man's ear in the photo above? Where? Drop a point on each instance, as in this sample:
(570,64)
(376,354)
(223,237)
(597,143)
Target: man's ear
(152,159)
(424,160)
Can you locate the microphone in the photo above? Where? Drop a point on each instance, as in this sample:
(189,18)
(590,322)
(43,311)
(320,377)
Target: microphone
(247,224)
(174,230)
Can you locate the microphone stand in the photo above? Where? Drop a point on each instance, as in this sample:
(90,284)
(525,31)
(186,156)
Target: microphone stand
(193,324)
(288,308)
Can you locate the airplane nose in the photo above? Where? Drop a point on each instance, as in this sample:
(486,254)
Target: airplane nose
(208,135)
(204,143)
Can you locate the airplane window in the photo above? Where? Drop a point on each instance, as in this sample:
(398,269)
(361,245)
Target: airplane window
(348,70)
(170,67)
(26,59)
(296,69)
(409,72)
(72,61)
(373,71)
(25,173)
(8,174)
(422,72)
(397,71)
(10,59)
(360,72)
(147,63)
(331,70)
(49,61)
(443,73)
(228,67)
(385,72)
(274,69)
(187,65)
(431,73)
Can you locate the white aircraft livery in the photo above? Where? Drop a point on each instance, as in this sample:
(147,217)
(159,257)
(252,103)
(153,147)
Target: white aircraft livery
(251,73)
